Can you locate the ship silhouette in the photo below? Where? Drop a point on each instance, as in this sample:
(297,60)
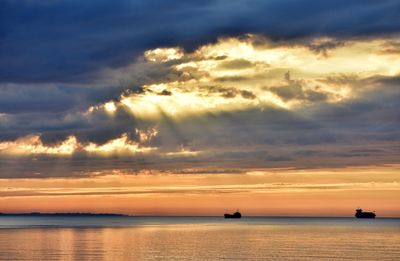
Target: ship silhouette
(361,214)
(234,215)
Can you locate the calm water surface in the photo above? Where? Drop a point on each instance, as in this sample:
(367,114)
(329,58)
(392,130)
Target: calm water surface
(198,238)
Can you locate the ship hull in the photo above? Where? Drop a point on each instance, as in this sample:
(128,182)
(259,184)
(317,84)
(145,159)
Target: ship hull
(366,216)
(232,216)
(362,214)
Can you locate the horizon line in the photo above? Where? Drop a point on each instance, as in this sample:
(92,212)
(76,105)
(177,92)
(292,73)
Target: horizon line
(133,215)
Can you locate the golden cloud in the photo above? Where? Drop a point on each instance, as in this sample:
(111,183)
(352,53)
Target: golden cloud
(32,144)
(253,72)
(164,54)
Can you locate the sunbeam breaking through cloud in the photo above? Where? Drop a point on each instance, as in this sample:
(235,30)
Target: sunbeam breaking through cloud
(207,96)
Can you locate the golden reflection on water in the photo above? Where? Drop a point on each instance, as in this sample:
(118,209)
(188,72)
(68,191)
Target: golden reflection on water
(206,241)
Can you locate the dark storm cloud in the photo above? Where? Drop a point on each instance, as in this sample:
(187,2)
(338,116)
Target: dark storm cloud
(324,47)
(97,126)
(16,98)
(68,41)
(373,111)
(52,98)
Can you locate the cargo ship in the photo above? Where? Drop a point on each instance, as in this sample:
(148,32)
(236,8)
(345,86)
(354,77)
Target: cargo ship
(361,214)
(234,215)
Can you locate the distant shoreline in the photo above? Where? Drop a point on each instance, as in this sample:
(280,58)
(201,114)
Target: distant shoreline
(77,214)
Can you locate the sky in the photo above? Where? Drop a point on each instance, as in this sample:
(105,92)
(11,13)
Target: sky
(200,107)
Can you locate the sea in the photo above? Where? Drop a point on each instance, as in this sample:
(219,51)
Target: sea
(198,238)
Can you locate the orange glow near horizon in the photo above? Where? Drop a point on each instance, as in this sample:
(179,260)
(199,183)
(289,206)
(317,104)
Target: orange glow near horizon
(323,192)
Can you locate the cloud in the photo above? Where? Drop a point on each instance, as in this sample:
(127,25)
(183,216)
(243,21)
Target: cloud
(209,189)
(54,98)
(323,45)
(33,145)
(69,41)
(226,92)
(236,64)
(247,94)
(279,105)
(294,90)
(165,92)
(391,47)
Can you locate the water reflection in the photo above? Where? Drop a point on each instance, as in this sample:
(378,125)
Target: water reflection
(192,240)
